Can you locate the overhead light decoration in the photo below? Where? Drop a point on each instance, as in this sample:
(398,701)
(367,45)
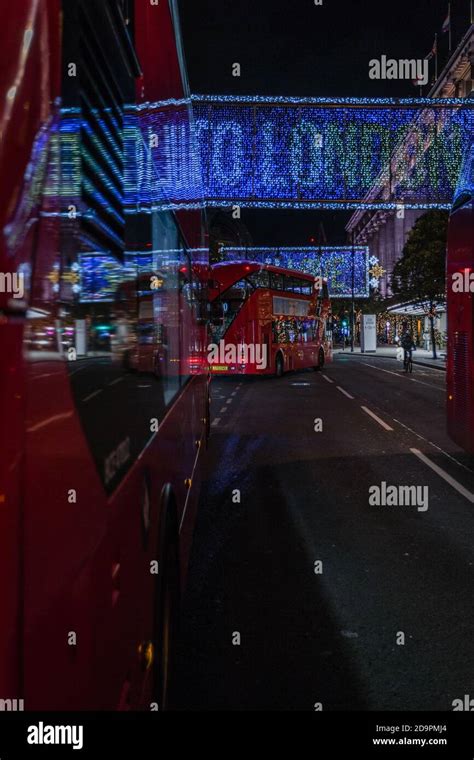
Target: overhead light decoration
(278,152)
(295,153)
(335,263)
(376,272)
(72,277)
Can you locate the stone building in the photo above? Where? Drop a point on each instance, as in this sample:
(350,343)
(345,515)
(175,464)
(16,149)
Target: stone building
(385,232)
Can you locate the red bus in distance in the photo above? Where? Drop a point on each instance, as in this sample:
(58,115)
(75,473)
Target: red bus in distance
(267,320)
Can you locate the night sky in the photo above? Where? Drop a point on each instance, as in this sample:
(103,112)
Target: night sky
(292,47)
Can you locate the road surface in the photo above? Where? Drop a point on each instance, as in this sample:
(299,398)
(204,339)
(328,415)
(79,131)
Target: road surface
(330,634)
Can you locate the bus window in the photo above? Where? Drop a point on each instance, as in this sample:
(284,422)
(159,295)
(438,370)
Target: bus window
(294,284)
(187,309)
(290,306)
(232,301)
(185,278)
(277,281)
(260,279)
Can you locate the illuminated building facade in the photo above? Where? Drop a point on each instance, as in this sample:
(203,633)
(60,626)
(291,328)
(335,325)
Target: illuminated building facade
(385,231)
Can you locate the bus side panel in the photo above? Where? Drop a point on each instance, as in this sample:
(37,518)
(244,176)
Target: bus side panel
(155,42)
(11,444)
(460,367)
(65,509)
(65,522)
(29,83)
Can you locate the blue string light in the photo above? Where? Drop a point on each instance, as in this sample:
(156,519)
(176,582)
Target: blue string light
(302,153)
(285,153)
(332,262)
(295,100)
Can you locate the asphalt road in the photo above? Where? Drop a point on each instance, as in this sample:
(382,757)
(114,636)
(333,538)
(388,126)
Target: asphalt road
(330,637)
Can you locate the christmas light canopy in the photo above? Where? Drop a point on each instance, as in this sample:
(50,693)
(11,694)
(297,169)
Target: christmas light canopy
(297,153)
(288,153)
(338,264)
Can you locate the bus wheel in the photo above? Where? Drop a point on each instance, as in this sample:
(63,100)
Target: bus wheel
(167,600)
(320,364)
(279,365)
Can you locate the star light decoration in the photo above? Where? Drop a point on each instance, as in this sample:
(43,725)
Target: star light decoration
(376,272)
(73,277)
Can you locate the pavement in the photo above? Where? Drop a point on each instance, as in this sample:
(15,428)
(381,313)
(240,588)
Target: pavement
(420,355)
(385,621)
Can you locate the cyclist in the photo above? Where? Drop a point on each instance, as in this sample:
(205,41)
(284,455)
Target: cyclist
(407,343)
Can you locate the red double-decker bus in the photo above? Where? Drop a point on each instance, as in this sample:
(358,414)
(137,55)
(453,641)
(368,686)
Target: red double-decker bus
(460,295)
(273,320)
(103,402)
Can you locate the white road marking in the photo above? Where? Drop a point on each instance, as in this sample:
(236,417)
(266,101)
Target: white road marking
(428,385)
(91,395)
(117,380)
(388,371)
(439,471)
(413,431)
(215,422)
(344,392)
(377,419)
(233,394)
(399,374)
(328,379)
(229,401)
(438,448)
(223,409)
